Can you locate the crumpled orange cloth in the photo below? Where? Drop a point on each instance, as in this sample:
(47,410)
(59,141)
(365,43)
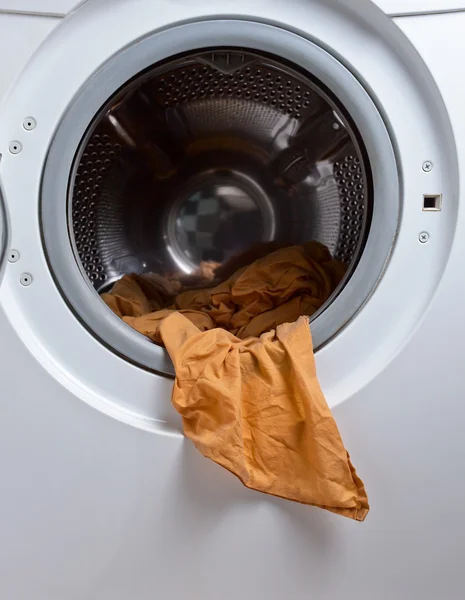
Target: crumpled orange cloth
(246,383)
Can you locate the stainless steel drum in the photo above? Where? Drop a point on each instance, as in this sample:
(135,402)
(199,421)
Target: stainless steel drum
(205,155)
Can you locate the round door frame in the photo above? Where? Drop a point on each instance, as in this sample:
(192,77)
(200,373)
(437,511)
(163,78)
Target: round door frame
(94,93)
(418,128)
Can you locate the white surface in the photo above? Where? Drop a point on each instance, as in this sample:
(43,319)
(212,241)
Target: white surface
(392,7)
(94,510)
(53,7)
(91,509)
(19,36)
(405,7)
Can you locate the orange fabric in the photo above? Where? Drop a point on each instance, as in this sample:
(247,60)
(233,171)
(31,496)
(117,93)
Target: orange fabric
(274,289)
(246,383)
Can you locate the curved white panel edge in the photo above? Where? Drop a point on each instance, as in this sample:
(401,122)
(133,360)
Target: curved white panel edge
(57,8)
(409,7)
(31,31)
(390,7)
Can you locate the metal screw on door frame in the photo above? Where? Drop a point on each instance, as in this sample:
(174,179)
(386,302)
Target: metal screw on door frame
(423,237)
(427,166)
(13,256)
(29,123)
(15,147)
(25,279)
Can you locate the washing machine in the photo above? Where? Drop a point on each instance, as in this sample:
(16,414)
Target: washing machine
(142,135)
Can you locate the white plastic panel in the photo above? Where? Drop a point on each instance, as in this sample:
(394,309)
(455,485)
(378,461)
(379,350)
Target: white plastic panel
(391,7)
(409,7)
(30,31)
(46,7)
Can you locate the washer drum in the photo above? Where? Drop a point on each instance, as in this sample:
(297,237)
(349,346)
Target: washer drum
(210,154)
(201,158)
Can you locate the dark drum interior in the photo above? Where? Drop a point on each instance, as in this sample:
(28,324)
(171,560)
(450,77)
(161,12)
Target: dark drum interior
(209,155)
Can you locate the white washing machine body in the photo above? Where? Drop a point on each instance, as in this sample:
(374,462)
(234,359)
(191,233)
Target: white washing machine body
(102,497)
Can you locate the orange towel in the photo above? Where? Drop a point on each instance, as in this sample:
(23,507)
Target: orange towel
(246,383)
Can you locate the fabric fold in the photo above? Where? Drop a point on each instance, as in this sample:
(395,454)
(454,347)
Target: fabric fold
(255,407)
(246,384)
